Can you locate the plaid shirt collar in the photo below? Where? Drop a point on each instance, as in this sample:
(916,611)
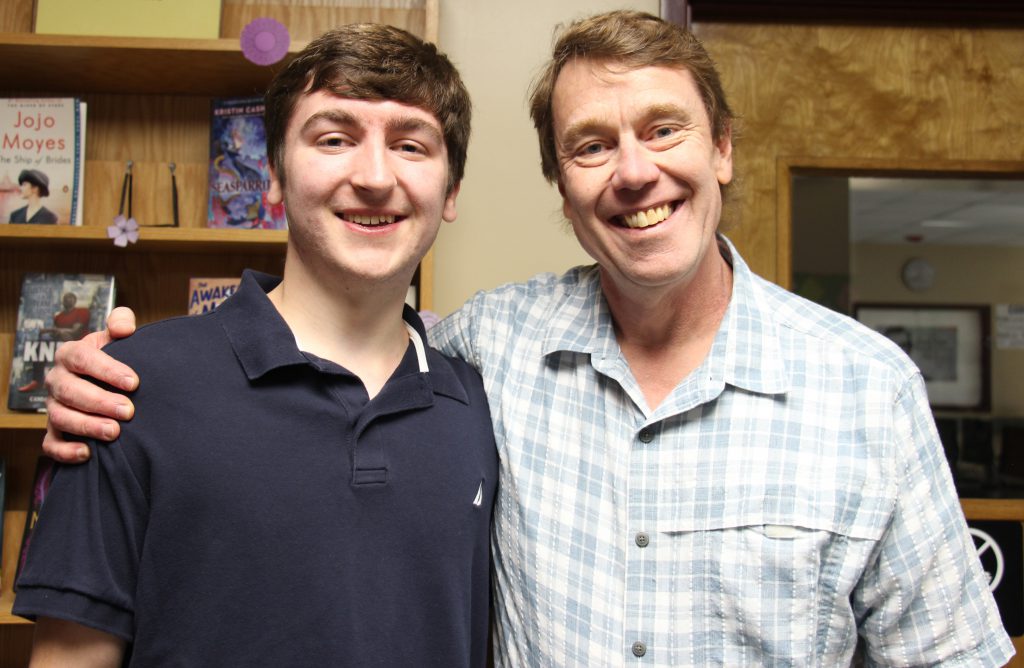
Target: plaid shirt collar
(746,353)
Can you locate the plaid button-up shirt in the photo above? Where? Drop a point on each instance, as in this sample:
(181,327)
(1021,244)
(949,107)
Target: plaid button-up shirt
(789,494)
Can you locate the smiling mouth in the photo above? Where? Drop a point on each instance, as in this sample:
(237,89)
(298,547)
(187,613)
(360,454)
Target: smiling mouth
(647,218)
(370,221)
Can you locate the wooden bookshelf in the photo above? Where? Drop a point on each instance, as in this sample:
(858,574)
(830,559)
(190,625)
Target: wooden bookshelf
(148,102)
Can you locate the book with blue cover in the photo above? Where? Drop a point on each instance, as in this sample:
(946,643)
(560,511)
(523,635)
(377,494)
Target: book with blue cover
(239,169)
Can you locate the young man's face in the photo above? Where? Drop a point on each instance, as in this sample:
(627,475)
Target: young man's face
(366,186)
(639,172)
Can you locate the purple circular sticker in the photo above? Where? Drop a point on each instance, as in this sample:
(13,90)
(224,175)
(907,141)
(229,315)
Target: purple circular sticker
(264,41)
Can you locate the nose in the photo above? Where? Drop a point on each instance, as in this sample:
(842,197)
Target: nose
(372,171)
(634,168)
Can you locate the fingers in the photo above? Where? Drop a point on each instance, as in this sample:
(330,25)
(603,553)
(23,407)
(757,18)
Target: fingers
(67,452)
(121,322)
(84,358)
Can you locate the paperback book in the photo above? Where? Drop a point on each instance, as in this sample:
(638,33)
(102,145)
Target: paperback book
(239,169)
(42,160)
(54,309)
(40,485)
(206,294)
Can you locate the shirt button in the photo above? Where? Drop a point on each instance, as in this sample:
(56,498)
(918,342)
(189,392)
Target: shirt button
(642,539)
(639,649)
(646,436)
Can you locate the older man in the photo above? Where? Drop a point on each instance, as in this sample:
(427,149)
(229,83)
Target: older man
(697,467)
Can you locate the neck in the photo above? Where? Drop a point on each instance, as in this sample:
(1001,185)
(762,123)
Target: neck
(666,334)
(357,327)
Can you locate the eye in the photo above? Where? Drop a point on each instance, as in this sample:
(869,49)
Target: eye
(410,148)
(332,141)
(663,132)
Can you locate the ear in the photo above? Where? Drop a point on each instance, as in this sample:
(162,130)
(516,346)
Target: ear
(275,194)
(448,214)
(723,156)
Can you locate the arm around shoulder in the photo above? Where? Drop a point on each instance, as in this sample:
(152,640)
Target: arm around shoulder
(59,642)
(76,405)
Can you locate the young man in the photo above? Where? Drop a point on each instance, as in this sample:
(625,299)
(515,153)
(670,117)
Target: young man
(697,467)
(307,483)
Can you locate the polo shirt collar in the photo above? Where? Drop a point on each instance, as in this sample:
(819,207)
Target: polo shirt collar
(746,352)
(263,342)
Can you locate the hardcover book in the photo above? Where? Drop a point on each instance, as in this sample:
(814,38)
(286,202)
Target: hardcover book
(54,309)
(42,160)
(206,294)
(40,485)
(239,170)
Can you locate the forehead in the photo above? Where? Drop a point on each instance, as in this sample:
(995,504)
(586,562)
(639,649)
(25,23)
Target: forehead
(586,87)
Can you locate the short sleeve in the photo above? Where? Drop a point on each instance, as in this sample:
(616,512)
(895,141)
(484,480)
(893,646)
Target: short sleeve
(83,560)
(925,600)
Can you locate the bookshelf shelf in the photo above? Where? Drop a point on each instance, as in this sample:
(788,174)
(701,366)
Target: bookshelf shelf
(94,237)
(70,63)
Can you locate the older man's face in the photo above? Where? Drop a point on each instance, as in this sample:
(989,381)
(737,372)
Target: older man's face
(639,171)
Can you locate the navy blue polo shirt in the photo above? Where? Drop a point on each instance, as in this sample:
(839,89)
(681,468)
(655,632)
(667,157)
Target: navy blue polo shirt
(261,510)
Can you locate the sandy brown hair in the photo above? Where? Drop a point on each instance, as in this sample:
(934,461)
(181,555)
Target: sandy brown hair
(631,40)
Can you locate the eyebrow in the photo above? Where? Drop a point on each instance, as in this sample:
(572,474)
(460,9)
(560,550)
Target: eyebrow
(592,126)
(402,124)
(411,124)
(334,116)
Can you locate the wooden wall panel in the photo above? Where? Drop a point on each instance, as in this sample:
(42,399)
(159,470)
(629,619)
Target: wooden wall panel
(927,96)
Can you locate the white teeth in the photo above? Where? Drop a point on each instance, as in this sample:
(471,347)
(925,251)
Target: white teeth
(370,220)
(647,218)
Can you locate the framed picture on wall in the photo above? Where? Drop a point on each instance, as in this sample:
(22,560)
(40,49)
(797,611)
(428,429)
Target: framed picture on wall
(950,344)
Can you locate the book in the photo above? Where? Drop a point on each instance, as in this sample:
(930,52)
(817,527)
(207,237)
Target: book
(40,485)
(42,160)
(117,18)
(206,294)
(239,169)
(53,309)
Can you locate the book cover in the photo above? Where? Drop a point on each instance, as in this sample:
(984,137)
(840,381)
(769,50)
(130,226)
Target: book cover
(53,309)
(129,18)
(40,485)
(42,160)
(239,170)
(206,294)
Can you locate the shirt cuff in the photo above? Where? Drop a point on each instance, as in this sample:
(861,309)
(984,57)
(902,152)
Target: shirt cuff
(32,602)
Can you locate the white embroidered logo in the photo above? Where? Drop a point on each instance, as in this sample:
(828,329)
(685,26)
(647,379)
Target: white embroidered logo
(479,495)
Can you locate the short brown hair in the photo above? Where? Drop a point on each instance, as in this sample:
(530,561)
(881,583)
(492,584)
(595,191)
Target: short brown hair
(370,61)
(632,40)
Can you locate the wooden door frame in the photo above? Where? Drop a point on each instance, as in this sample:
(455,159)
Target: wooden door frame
(787,167)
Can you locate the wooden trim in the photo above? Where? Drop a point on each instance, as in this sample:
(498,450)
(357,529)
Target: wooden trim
(993,509)
(960,13)
(787,166)
(676,11)
(432,23)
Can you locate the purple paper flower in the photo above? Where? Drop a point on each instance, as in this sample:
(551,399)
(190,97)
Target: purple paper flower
(124,231)
(264,41)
